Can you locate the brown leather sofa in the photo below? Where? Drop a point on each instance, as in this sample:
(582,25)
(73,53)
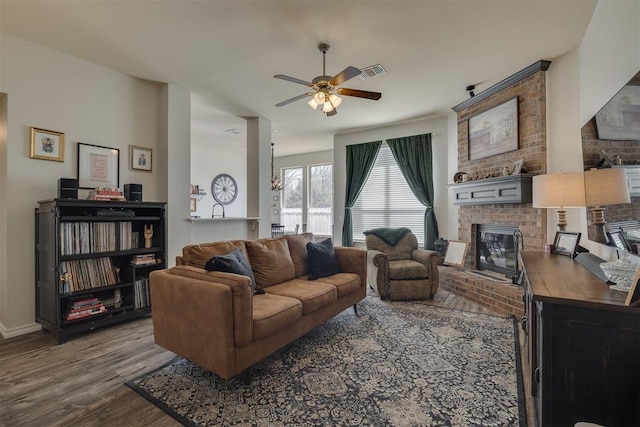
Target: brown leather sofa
(213,318)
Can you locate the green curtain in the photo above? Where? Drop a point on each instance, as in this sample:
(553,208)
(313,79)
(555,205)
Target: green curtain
(414,157)
(360,160)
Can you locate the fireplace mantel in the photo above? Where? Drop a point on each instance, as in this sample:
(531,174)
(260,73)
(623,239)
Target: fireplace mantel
(502,189)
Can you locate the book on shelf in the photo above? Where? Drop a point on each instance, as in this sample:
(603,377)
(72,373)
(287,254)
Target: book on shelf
(84,306)
(86,313)
(145,259)
(106,193)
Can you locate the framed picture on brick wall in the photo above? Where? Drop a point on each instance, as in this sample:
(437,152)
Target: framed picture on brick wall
(495,131)
(619,119)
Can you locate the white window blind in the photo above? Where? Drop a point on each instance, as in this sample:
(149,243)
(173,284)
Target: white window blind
(387,201)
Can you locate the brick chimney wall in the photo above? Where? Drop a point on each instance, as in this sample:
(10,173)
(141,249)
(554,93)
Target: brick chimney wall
(504,299)
(531,93)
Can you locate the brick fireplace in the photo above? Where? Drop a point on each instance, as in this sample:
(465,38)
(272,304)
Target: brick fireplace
(528,86)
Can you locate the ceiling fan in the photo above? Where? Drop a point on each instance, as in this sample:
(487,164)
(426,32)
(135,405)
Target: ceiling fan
(326,87)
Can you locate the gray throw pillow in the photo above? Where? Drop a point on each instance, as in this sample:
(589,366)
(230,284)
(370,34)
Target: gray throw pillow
(322,259)
(233,262)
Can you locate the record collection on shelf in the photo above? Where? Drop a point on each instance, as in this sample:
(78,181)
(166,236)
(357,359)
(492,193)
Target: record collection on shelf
(90,237)
(141,293)
(80,274)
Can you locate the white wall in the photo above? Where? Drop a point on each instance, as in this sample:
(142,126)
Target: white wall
(4,302)
(175,149)
(438,127)
(208,161)
(90,104)
(579,84)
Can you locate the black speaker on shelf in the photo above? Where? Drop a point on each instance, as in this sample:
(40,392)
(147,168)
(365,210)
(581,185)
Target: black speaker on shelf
(133,192)
(67,188)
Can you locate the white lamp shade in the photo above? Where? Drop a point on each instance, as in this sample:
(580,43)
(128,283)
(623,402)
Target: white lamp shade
(319,98)
(335,100)
(606,187)
(312,103)
(327,107)
(556,190)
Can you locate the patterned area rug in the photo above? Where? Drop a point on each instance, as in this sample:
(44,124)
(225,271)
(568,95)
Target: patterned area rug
(394,364)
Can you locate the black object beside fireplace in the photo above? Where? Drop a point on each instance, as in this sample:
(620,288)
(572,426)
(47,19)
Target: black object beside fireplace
(497,249)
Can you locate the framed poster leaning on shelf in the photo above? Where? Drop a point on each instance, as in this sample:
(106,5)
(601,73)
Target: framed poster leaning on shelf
(456,253)
(98,166)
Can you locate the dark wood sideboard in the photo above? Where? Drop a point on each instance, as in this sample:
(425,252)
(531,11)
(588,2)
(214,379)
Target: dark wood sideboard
(583,345)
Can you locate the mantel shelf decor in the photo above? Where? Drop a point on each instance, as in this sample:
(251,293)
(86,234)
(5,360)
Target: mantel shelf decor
(502,189)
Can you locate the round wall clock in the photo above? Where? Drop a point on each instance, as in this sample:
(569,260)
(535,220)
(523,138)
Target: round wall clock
(224,189)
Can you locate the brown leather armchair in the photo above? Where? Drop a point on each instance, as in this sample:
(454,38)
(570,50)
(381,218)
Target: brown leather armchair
(401,270)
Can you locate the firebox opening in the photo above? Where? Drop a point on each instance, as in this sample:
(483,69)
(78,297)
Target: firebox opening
(497,249)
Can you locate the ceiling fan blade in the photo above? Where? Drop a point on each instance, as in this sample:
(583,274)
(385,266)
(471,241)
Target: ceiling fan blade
(292,79)
(294,99)
(359,93)
(344,75)
(332,113)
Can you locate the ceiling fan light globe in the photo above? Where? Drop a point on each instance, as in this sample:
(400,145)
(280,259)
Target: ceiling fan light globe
(319,98)
(327,107)
(335,100)
(312,103)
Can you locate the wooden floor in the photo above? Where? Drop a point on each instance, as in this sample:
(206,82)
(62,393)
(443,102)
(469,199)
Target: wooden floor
(81,382)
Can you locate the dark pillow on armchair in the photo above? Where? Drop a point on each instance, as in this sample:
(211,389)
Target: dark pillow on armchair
(233,262)
(322,259)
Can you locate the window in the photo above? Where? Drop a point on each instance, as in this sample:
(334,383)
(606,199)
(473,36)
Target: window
(291,198)
(387,201)
(319,210)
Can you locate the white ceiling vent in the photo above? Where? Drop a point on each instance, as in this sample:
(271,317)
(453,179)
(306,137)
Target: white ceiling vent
(372,71)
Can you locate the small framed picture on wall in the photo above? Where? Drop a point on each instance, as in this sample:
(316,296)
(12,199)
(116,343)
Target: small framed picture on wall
(47,145)
(140,158)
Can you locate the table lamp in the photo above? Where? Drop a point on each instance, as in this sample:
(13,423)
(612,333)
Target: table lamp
(559,190)
(604,187)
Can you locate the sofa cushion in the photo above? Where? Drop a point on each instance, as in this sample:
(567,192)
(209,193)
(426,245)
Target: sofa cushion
(233,262)
(322,259)
(345,283)
(198,255)
(272,313)
(270,261)
(312,295)
(298,250)
(403,269)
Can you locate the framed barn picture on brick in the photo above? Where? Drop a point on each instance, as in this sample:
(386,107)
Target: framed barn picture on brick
(495,131)
(619,119)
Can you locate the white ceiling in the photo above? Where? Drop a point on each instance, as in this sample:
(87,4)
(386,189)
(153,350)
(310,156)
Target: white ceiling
(226,52)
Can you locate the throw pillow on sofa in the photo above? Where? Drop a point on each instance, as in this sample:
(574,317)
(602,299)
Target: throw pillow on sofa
(233,262)
(322,259)
(270,261)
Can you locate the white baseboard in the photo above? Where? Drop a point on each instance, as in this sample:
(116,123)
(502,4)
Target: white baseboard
(20,330)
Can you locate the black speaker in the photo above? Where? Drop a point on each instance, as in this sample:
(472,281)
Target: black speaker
(67,188)
(133,192)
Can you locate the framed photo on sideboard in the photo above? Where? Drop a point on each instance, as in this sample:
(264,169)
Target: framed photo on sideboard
(566,243)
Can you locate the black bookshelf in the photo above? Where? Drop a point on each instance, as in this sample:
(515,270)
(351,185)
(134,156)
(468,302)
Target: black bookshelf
(86,276)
